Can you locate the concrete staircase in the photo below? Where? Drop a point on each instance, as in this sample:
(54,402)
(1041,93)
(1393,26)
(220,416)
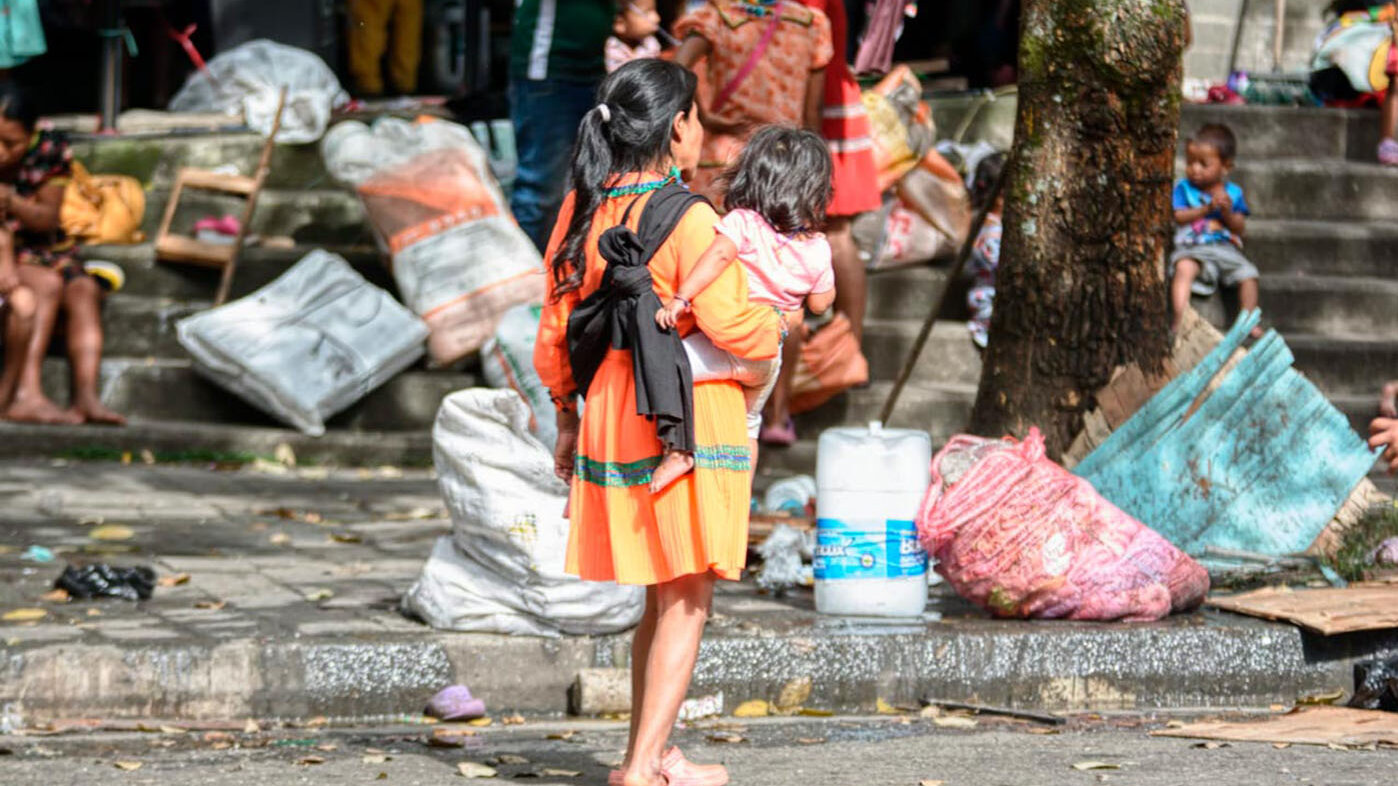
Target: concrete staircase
(1320,237)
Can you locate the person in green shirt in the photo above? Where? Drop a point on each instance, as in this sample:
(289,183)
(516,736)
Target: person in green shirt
(556,64)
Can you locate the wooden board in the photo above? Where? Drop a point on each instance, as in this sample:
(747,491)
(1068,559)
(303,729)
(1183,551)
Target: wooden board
(1326,611)
(1305,726)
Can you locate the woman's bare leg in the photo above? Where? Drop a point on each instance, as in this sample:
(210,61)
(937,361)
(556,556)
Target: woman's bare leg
(30,405)
(18,315)
(682,608)
(851,284)
(82,299)
(1389,116)
(640,655)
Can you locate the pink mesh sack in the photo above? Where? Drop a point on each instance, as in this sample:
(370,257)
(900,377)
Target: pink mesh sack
(1015,533)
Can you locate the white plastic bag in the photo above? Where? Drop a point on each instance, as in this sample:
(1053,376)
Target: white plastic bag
(507,359)
(247,81)
(307,345)
(459,259)
(502,568)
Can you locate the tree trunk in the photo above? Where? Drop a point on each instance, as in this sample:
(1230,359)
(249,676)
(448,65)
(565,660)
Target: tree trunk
(1087,221)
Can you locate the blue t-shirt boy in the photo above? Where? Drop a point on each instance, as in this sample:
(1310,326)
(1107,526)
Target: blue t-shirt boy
(1210,228)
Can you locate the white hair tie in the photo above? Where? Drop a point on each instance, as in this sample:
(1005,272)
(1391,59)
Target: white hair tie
(606,113)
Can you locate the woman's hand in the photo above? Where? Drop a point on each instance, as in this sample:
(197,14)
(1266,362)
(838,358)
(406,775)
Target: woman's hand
(9,279)
(565,451)
(1383,433)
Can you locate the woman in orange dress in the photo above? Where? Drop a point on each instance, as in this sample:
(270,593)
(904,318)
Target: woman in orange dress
(676,542)
(764,64)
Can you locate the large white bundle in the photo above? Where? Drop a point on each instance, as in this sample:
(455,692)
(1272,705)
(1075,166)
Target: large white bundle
(502,568)
(307,345)
(459,259)
(247,80)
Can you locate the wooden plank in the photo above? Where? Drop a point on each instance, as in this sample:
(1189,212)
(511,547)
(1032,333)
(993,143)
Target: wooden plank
(180,248)
(1304,726)
(1326,611)
(217,181)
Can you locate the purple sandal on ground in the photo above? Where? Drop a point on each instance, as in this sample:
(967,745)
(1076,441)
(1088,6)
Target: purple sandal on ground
(455,703)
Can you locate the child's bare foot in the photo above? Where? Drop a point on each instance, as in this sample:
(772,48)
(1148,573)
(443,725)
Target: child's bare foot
(1388,400)
(93,411)
(1257,332)
(674,466)
(38,409)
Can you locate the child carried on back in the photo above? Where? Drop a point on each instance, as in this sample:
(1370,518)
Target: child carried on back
(1210,211)
(777,194)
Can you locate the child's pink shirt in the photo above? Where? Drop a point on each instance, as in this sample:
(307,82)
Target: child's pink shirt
(782,270)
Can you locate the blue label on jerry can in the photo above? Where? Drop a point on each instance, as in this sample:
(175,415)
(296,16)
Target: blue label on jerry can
(868,551)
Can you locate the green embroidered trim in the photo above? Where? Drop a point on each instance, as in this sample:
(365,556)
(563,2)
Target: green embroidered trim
(730,457)
(615,474)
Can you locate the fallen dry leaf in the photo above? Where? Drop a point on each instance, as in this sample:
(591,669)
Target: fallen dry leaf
(173,580)
(480,722)
(112,532)
(315,596)
(128,766)
(513,720)
(1335,746)
(810,740)
(510,758)
(1322,698)
(210,605)
(471,769)
(374,758)
(221,746)
(812,713)
(94,612)
(59,595)
(1083,766)
(450,738)
(173,730)
(345,537)
(930,711)
(24,615)
(1042,730)
(147,457)
(926,782)
(755,708)
(563,735)
(795,693)
(279,539)
(731,739)
(251,727)
(884,708)
(327,747)
(1281,746)
(1174,724)
(554,772)
(1211,745)
(216,736)
(309,760)
(955,722)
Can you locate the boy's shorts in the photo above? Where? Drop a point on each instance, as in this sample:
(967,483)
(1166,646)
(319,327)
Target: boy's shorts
(708,363)
(1220,264)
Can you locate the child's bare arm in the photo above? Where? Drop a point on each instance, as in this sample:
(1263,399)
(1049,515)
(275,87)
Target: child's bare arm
(1236,222)
(1191,214)
(693,48)
(815,100)
(820,302)
(706,271)
(38,213)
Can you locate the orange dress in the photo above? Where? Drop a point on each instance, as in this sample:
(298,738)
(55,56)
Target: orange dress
(773,92)
(620,531)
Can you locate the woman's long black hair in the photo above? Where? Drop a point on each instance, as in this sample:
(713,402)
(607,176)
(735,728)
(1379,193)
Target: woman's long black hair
(631,134)
(783,175)
(15,105)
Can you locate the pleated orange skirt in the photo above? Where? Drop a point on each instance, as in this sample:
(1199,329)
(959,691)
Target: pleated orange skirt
(620,531)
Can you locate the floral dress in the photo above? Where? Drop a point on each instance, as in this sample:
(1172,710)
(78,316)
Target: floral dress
(49,161)
(774,89)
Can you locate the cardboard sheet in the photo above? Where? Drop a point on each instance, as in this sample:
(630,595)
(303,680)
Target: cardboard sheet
(1307,726)
(1326,611)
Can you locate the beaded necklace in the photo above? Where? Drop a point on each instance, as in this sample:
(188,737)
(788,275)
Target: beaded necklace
(758,8)
(636,189)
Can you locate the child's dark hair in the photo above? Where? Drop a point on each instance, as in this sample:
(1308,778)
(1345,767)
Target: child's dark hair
(783,175)
(628,131)
(1219,137)
(988,173)
(15,105)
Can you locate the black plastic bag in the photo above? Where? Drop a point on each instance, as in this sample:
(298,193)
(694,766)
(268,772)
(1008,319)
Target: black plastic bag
(105,581)
(1376,685)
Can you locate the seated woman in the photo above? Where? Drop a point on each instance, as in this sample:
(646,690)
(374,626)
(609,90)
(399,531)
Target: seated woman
(34,167)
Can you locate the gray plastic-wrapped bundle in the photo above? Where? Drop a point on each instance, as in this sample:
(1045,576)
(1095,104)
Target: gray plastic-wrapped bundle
(307,345)
(501,569)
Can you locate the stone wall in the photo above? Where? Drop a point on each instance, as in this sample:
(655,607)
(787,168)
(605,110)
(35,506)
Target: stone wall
(1213,24)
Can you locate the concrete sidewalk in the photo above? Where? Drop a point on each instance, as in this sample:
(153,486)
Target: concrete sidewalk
(290,612)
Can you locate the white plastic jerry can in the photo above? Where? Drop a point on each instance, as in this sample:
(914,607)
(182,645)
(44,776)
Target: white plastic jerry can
(869,484)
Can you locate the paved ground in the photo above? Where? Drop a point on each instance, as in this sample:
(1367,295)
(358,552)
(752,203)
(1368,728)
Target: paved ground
(866,752)
(290,610)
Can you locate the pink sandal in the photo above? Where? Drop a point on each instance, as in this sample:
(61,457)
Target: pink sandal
(783,435)
(679,771)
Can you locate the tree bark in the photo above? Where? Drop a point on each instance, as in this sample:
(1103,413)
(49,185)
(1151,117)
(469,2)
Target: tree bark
(1087,222)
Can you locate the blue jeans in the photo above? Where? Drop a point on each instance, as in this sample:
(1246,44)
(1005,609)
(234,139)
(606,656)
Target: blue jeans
(546,114)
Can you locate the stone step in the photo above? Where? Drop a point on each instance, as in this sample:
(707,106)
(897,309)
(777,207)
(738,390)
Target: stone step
(324,215)
(1313,190)
(908,293)
(1288,132)
(1345,367)
(1332,306)
(175,440)
(166,390)
(154,160)
(257,266)
(1331,248)
(948,358)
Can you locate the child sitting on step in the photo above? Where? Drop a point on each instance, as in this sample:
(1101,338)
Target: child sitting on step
(1211,212)
(777,194)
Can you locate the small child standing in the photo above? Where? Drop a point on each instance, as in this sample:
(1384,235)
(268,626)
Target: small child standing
(633,34)
(1210,211)
(777,194)
(985,253)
